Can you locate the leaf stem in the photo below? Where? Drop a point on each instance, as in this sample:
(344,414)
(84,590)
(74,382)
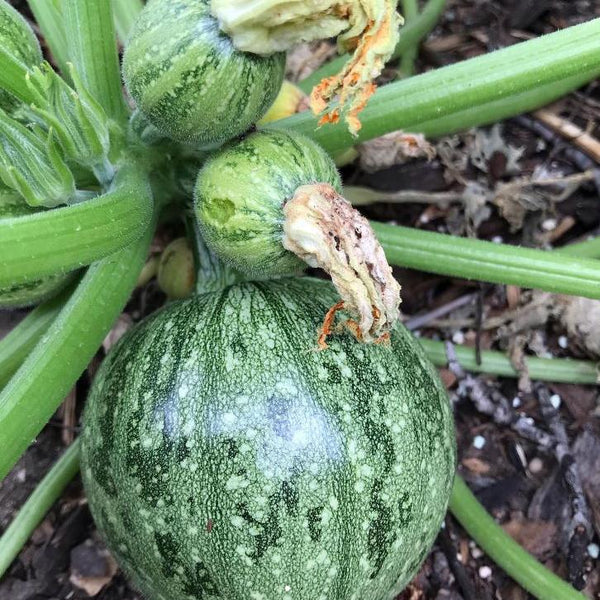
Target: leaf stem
(37,505)
(486,261)
(502,549)
(50,371)
(410,9)
(67,238)
(563,370)
(16,346)
(48,16)
(92,47)
(125,13)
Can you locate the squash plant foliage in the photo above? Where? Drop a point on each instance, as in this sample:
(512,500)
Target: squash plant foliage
(271,436)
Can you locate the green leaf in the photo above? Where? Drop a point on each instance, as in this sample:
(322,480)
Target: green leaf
(79,121)
(92,46)
(51,370)
(66,238)
(38,504)
(49,18)
(459,89)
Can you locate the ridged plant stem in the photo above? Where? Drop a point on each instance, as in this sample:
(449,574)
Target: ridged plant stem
(67,238)
(37,505)
(504,551)
(460,88)
(53,367)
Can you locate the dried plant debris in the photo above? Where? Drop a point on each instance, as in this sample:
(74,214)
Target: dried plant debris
(393,149)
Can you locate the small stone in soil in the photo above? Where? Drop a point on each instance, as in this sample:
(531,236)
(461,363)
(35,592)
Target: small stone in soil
(485,572)
(479,442)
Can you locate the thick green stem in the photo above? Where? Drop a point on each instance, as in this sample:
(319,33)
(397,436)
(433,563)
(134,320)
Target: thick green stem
(457,89)
(48,15)
(503,550)
(126,12)
(16,346)
(486,261)
(587,249)
(51,370)
(92,47)
(37,505)
(410,10)
(67,238)
(563,370)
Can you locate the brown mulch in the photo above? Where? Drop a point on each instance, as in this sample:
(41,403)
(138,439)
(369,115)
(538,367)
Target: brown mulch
(526,484)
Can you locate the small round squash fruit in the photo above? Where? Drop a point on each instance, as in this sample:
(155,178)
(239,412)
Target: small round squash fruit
(225,459)
(189,80)
(241,191)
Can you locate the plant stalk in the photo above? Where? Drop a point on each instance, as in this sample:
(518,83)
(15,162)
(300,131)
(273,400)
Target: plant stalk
(486,261)
(51,370)
(37,505)
(504,551)
(16,346)
(68,238)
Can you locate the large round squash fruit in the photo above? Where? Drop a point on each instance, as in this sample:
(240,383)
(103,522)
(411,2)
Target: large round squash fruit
(226,459)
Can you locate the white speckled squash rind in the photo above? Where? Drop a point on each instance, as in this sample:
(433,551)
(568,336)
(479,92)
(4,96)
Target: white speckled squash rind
(240,193)
(189,80)
(225,459)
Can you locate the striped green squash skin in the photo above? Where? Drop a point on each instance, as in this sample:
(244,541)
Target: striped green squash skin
(225,459)
(17,40)
(27,294)
(240,193)
(189,80)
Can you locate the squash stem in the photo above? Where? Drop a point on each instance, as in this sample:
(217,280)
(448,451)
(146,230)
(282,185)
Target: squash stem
(560,370)
(211,273)
(38,504)
(503,550)
(63,352)
(16,346)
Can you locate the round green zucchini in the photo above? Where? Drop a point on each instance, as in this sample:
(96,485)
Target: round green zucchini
(240,193)
(188,79)
(18,40)
(27,294)
(225,458)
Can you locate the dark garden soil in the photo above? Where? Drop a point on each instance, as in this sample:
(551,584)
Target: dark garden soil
(526,480)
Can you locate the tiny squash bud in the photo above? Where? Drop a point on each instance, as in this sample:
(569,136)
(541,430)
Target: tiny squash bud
(32,165)
(176,269)
(17,42)
(80,123)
